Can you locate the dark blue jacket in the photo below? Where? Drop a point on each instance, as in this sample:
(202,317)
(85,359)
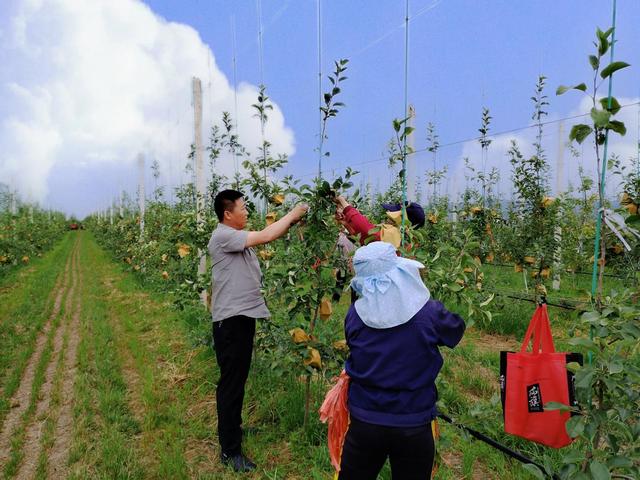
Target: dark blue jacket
(393,370)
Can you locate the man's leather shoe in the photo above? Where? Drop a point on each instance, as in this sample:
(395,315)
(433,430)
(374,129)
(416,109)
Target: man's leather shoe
(238,462)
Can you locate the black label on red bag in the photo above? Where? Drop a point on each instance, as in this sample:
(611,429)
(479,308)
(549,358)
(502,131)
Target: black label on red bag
(534,398)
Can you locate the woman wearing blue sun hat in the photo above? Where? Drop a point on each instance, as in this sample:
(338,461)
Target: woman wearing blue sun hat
(394,330)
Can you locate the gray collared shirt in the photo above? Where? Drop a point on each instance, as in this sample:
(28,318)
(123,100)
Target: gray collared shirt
(236,276)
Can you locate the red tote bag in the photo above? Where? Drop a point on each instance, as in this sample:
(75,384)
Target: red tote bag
(529,380)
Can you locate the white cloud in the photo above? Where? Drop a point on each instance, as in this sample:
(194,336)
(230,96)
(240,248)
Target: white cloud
(624,147)
(90,84)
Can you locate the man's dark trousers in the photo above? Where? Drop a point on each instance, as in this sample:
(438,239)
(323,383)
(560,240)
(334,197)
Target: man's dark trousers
(233,340)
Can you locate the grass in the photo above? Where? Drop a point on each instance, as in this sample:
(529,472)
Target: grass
(575,286)
(144,394)
(274,401)
(50,422)
(18,435)
(26,300)
(105,427)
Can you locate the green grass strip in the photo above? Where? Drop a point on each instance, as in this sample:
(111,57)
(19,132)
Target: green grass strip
(105,428)
(25,310)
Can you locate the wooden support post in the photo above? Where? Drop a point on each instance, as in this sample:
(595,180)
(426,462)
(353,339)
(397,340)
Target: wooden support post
(557,255)
(199,173)
(411,160)
(14,207)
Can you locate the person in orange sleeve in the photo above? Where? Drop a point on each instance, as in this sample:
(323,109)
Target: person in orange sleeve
(359,225)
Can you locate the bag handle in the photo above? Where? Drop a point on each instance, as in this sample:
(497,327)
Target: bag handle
(533,326)
(545,330)
(540,329)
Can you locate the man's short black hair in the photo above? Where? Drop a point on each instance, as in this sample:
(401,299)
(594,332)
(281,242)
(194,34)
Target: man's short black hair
(225,201)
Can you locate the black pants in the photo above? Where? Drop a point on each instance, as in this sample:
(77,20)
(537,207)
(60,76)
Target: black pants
(367,446)
(233,339)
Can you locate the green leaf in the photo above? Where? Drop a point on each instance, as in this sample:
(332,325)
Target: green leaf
(617,127)
(604,35)
(613,67)
(573,456)
(615,367)
(594,61)
(408,131)
(599,471)
(633,221)
(573,366)
(580,132)
(607,33)
(603,46)
(488,300)
(600,117)
(575,426)
(534,470)
(557,406)
(615,105)
(584,379)
(583,342)
(619,462)
(591,316)
(563,88)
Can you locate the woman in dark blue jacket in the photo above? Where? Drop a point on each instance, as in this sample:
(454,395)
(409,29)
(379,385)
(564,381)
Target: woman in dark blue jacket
(393,331)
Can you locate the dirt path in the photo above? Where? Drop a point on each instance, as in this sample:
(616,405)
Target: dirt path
(64,425)
(32,406)
(486,342)
(21,398)
(34,432)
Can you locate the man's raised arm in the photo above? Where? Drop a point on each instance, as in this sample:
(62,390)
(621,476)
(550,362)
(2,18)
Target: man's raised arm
(277,229)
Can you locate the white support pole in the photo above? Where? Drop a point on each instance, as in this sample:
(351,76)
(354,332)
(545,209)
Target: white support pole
(122,204)
(199,162)
(141,194)
(14,207)
(411,160)
(557,256)
(199,173)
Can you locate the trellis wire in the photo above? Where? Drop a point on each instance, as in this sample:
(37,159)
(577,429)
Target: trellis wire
(320,134)
(406,115)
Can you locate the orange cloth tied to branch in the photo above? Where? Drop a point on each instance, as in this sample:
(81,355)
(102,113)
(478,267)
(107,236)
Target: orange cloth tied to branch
(334,412)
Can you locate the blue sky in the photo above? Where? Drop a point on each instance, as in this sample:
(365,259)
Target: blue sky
(87,86)
(463,55)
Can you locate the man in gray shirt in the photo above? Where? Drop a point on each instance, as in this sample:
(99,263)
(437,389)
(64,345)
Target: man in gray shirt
(236,303)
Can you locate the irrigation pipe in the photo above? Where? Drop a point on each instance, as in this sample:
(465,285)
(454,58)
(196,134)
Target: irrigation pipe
(567,306)
(491,442)
(610,275)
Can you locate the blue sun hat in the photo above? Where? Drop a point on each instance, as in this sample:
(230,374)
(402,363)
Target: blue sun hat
(390,288)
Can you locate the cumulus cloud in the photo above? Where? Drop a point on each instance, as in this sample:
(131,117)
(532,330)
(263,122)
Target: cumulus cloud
(88,85)
(624,147)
